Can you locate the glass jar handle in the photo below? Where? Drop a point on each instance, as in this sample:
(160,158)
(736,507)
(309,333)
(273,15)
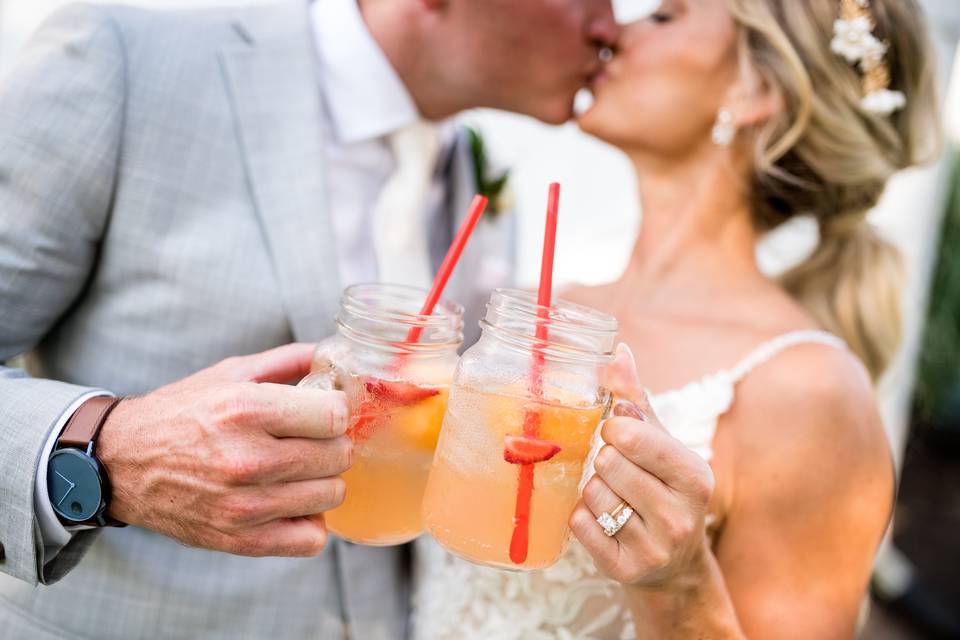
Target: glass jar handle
(325,373)
(609,401)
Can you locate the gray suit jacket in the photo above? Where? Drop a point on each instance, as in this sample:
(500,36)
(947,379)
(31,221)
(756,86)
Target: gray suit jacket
(162,207)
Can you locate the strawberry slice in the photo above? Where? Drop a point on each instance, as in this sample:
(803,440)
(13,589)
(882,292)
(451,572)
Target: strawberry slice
(401,393)
(528,450)
(362,428)
(384,394)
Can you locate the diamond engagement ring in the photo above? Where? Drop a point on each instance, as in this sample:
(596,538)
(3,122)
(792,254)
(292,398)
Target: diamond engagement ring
(612,522)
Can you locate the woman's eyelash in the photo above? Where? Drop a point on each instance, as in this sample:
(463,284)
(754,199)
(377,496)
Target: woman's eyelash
(660,18)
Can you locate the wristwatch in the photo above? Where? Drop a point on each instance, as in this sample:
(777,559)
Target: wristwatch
(77,481)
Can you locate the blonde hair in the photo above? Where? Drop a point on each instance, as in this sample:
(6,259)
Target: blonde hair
(824,156)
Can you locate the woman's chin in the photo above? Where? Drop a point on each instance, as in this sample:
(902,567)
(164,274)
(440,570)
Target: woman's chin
(591,121)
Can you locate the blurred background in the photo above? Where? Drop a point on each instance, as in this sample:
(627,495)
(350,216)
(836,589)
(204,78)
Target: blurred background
(917,583)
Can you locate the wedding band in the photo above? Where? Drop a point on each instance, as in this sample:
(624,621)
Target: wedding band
(613,521)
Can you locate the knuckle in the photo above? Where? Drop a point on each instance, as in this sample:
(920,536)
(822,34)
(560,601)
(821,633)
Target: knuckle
(229,367)
(656,559)
(244,469)
(664,457)
(580,520)
(243,545)
(624,574)
(707,485)
(604,458)
(236,406)
(679,530)
(702,483)
(240,513)
(593,491)
(215,539)
(625,434)
(229,363)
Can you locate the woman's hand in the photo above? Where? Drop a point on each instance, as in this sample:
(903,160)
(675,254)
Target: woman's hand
(667,485)
(799,534)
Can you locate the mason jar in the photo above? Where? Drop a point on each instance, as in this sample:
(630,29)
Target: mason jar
(525,404)
(397,392)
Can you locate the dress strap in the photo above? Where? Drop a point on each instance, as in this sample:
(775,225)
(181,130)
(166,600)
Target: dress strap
(769,349)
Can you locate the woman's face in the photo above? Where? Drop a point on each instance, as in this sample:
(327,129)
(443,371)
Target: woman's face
(674,70)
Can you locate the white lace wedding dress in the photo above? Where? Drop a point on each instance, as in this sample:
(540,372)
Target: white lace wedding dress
(456,599)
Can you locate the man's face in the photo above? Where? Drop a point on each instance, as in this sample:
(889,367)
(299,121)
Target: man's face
(532,56)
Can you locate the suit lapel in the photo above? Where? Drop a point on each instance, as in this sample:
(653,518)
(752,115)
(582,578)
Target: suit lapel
(271,76)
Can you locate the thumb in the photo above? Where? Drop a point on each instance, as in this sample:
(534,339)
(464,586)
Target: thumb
(284,364)
(623,380)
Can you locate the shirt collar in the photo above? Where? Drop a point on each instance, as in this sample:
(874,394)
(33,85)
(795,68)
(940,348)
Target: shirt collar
(363,92)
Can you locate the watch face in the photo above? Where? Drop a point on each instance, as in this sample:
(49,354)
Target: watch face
(73,482)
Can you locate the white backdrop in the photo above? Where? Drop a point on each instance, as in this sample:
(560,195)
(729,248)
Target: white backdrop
(599,211)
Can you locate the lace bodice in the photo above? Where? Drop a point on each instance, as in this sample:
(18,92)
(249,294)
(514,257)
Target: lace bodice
(456,599)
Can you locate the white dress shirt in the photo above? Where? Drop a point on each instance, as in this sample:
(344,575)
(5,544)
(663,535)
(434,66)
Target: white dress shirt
(365,101)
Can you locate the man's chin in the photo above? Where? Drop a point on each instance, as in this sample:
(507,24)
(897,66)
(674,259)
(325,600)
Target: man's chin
(557,114)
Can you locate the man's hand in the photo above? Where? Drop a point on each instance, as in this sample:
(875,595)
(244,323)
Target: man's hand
(232,458)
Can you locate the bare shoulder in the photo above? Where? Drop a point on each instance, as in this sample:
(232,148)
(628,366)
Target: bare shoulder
(816,386)
(808,418)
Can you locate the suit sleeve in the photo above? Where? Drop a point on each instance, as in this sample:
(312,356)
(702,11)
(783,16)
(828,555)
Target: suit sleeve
(61,118)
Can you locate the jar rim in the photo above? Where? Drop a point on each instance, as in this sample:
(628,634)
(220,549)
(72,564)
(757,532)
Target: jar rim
(560,314)
(381,305)
(356,297)
(574,332)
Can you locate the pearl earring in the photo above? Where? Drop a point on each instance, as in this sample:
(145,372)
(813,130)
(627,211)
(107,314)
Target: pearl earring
(724,131)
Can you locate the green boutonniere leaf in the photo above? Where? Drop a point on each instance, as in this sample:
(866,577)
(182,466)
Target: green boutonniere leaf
(494,187)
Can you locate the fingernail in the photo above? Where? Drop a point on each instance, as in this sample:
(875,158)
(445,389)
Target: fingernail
(341,417)
(627,409)
(624,348)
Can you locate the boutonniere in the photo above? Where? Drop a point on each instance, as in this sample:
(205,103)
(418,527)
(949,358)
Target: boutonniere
(491,184)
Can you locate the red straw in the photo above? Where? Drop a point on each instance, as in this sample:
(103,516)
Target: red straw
(449,262)
(520,541)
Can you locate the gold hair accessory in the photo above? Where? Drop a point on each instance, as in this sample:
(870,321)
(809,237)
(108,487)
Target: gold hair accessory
(853,39)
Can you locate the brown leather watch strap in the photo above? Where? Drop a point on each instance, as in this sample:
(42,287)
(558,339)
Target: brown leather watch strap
(86,421)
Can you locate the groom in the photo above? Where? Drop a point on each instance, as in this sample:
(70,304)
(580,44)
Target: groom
(177,188)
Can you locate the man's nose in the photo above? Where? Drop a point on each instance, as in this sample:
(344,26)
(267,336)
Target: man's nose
(602,27)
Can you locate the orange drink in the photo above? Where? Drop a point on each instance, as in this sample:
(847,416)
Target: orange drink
(394,434)
(397,392)
(507,470)
(478,463)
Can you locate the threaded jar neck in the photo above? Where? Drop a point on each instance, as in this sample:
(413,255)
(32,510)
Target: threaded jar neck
(575,333)
(381,316)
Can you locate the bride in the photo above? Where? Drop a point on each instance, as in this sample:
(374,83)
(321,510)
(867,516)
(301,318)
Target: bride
(758,468)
